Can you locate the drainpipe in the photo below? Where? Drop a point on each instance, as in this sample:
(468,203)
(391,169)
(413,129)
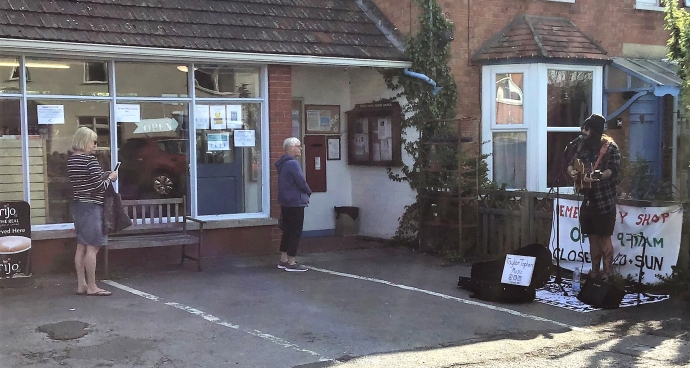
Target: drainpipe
(424,78)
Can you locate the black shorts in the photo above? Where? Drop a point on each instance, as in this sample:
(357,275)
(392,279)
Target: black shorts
(594,223)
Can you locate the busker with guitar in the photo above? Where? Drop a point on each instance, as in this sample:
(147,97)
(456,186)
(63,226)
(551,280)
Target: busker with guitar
(595,171)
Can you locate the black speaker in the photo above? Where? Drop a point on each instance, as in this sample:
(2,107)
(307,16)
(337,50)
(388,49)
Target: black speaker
(601,294)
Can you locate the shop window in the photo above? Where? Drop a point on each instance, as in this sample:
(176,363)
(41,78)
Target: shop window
(374,134)
(95,72)
(100,125)
(62,77)
(150,80)
(216,81)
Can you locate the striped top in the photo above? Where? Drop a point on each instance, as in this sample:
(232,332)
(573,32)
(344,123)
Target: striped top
(86,176)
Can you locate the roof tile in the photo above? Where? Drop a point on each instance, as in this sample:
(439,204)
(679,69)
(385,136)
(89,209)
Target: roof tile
(529,36)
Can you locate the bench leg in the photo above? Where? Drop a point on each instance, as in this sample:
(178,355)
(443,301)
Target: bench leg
(198,256)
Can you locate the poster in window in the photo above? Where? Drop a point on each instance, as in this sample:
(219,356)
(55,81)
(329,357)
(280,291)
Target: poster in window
(323,119)
(386,149)
(234,116)
(218,141)
(127,113)
(50,114)
(202,118)
(218,117)
(244,138)
(362,126)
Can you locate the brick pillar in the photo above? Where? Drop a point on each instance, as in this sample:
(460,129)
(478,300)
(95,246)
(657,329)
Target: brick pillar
(280,127)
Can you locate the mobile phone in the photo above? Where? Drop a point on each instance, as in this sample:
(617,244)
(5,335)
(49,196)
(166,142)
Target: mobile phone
(117,166)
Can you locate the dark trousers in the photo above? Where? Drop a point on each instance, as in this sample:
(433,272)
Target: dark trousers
(293,222)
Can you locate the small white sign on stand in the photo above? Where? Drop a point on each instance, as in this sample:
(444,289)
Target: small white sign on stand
(518,270)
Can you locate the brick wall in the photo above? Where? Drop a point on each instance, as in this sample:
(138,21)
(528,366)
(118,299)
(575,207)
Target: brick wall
(280,127)
(609,23)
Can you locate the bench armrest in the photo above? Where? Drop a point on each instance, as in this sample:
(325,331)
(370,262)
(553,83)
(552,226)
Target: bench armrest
(195,220)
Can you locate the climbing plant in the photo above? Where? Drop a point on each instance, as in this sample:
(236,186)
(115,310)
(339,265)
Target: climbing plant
(429,52)
(678,24)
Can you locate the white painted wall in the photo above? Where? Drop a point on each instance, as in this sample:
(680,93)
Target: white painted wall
(381,201)
(326,86)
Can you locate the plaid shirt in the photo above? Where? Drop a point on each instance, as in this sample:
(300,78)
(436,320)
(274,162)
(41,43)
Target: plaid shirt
(603,192)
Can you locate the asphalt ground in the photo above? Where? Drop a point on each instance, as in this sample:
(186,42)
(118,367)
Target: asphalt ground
(370,307)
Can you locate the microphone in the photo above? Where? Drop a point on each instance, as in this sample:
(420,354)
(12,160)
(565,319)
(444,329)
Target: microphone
(576,140)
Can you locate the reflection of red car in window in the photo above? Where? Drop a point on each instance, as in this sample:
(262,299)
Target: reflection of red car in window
(153,166)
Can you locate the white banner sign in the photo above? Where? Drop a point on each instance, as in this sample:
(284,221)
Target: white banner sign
(660,226)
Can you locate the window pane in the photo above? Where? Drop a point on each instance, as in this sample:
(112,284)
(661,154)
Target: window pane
(510,159)
(226,170)
(62,77)
(226,81)
(569,97)
(11,188)
(616,78)
(154,152)
(557,156)
(509,102)
(150,80)
(54,143)
(9,75)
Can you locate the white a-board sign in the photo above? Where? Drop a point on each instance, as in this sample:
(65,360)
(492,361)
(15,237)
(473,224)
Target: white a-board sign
(518,270)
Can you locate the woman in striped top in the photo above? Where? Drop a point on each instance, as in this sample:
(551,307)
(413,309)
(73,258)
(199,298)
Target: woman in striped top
(89,182)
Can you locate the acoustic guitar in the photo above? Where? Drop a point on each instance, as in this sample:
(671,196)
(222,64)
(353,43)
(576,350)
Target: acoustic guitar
(582,173)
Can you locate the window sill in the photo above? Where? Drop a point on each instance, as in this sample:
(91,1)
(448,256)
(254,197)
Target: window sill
(649,7)
(563,1)
(68,231)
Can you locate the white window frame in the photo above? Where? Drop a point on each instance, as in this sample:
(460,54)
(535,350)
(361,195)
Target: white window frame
(563,1)
(654,5)
(87,65)
(535,114)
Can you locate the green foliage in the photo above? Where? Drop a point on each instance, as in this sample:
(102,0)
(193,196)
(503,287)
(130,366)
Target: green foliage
(434,150)
(676,284)
(678,24)
(642,184)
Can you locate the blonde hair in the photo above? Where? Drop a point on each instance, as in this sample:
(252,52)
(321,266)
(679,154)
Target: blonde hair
(82,137)
(289,142)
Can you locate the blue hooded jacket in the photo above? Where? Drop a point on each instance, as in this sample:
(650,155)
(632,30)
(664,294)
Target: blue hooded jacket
(293,190)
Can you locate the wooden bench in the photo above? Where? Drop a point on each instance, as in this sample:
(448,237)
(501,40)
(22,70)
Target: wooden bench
(157,223)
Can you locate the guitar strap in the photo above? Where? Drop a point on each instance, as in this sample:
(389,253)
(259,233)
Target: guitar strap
(602,151)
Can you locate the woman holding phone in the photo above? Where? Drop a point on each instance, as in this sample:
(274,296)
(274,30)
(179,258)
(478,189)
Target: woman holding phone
(89,183)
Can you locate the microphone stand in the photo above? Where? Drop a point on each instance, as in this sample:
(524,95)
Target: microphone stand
(558,280)
(637,286)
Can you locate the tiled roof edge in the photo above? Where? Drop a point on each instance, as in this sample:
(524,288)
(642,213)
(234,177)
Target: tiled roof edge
(495,38)
(384,24)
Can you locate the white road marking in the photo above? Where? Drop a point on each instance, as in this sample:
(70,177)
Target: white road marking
(444,296)
(213,319)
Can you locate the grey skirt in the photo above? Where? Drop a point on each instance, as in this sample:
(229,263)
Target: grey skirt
(88,223)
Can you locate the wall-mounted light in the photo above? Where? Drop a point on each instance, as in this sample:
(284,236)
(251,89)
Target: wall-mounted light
(184,68)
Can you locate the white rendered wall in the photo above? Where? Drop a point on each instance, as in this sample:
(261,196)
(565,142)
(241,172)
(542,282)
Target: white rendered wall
(380,200)
(326,86)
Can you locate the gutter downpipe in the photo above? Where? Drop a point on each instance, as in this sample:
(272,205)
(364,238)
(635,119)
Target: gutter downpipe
(424,78)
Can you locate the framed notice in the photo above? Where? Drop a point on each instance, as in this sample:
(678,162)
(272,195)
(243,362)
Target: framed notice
(322,119)
(333,146)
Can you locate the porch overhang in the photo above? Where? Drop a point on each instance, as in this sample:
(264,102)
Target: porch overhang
(659,76)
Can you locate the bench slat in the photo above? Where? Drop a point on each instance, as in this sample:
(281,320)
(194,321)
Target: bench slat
(151,240)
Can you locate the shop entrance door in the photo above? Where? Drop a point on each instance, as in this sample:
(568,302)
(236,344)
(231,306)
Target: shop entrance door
(219,173)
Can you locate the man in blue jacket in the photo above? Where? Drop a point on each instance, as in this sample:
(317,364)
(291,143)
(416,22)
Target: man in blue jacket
(293,197)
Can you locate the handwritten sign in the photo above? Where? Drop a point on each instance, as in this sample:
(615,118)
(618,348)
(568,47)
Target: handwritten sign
(518,270)
(15,239)
(660,226)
